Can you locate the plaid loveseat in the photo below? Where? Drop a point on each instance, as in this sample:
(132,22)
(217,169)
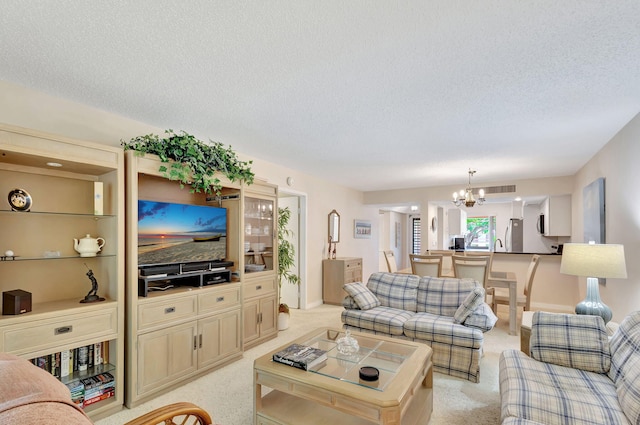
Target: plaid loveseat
(448,314)
(576,374)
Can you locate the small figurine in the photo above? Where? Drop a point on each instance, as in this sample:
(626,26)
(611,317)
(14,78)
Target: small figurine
(92,295)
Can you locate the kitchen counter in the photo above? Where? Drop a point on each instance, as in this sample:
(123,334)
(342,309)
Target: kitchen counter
(508,253)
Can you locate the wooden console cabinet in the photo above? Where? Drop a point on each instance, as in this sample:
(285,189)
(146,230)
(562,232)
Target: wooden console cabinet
(60,175)
(185,331)
(335,273)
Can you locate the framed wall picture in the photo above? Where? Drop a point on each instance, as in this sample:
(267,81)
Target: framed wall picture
(361,229)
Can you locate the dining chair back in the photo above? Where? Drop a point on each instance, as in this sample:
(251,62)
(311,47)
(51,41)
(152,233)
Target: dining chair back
(481,254)
(426,265)
(267,260)
(523,301)
(472,266)
(392,266)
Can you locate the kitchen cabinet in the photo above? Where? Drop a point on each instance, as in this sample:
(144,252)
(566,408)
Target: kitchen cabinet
(557,215)
(457,220)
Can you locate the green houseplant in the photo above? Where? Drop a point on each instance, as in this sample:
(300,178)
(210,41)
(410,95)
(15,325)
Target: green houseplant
(193,162)
(286,258)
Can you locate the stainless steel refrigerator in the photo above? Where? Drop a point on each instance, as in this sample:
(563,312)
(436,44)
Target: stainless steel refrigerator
(513,236)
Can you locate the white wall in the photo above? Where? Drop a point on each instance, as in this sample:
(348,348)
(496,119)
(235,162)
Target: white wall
(618,163)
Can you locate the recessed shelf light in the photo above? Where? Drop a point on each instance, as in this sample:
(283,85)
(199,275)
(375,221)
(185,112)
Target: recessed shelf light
(54,164)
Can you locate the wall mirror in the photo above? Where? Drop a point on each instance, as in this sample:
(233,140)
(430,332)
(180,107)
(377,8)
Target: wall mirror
(334,227)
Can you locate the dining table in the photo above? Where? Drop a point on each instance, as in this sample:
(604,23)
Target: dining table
(499,279)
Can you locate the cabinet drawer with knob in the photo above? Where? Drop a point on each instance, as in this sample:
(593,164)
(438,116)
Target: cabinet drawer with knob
(219,299)
(259,287)
(166,311)
(59,332)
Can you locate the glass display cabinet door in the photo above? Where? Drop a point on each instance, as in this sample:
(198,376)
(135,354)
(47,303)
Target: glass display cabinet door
(258,234)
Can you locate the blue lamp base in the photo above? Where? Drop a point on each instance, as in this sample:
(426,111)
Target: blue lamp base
(592,304)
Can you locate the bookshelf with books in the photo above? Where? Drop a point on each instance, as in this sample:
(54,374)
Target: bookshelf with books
(74,188)
(85,370)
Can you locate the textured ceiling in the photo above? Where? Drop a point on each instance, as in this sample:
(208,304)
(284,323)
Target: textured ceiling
(373,94)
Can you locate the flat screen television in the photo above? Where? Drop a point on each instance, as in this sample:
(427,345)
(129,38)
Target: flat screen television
(171,233)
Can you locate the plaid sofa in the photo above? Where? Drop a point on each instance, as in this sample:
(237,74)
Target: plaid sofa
(448,314)
(576,374)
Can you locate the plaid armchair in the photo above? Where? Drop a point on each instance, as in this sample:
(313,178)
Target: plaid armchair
(576,374)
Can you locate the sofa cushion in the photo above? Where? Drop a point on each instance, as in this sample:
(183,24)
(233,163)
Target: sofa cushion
(379,319)
(443,296)
(349,303)
(576,341)
(395,290)
(625,365)
(550,394)
(442,329)
(362,295)
(482,318)
(472,300)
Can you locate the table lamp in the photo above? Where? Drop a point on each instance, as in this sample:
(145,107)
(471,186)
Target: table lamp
(593,261)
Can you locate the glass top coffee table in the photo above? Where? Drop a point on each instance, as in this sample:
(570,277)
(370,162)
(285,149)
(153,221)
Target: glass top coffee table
(333,393)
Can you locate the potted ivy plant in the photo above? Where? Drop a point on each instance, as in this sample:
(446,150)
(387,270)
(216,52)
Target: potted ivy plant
(192,161)
(286,260)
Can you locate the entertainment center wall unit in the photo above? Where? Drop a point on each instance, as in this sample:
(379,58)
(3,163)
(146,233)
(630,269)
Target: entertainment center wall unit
(57,176)
(181,325)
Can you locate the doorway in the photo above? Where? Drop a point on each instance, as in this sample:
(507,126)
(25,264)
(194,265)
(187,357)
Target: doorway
(295,295)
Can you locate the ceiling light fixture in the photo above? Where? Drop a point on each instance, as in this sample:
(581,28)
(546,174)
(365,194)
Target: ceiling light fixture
(465,197)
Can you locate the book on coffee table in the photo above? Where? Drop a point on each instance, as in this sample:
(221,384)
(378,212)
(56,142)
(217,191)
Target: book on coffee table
(301,356)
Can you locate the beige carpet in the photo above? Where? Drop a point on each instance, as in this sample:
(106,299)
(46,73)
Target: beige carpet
(227,393)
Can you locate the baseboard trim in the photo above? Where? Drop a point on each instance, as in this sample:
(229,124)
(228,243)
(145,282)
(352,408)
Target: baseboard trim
(553,308)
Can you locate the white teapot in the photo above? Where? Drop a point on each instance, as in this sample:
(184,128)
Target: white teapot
(88,246)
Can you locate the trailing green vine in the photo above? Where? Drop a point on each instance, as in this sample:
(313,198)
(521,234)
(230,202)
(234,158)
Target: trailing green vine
(193,162)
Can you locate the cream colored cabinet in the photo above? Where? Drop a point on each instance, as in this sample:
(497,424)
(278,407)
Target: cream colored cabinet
(59,180)
(259,311)
(337,272)
(165,356)
(219,337)
(185,331)
(259,281)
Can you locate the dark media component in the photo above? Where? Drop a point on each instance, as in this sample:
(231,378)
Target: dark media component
(16,302)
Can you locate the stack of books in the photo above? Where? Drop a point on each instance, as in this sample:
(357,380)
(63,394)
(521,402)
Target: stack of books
(76,388)
(98,387)
(301,356)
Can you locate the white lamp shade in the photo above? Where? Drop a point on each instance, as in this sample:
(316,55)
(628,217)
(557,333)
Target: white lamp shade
(593,260)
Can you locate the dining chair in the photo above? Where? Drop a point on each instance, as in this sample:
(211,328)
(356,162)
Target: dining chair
(475,267)
(267,260)
(447,265)
(502,297)
(426,265)
(481,254)
(392,266)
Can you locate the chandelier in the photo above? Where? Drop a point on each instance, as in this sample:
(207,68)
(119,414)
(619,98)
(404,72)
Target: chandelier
(465,197)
